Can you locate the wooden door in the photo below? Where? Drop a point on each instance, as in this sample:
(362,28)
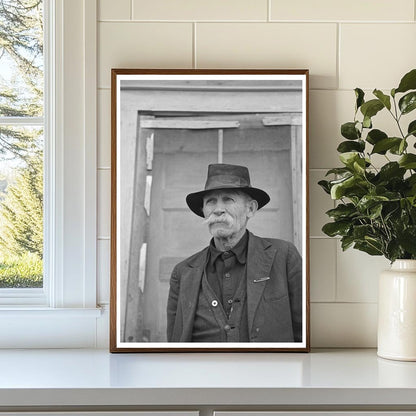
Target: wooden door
(178,151)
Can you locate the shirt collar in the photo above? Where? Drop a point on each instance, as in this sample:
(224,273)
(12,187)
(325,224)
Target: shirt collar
(239,250)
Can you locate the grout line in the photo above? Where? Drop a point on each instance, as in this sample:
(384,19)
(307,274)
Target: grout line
(311,22)
(104,168)
(269,10)
(344,303)
(194,62)
(131,9)
(323,237)
(338,63)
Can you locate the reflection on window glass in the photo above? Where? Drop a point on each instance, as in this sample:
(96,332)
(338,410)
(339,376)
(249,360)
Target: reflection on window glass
(21,143)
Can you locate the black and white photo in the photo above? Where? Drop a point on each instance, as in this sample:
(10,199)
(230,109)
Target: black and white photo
(209,244)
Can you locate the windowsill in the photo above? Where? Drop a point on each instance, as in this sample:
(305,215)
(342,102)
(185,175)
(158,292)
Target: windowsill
(334,378)
(37,311)
(41,327)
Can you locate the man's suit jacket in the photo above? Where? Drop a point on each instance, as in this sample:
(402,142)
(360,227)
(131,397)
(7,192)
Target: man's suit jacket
(274,292)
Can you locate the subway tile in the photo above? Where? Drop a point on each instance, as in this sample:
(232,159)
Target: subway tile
(114,10)
(376,55)
(323,269)
(200,10)
(341,10)
(103,271)
(104,129)
(357,275)
(270,45)
(104,203)
(327,111)
(142,45)
(343,325)
(319,203)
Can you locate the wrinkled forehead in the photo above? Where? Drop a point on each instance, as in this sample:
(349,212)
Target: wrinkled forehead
(220,193)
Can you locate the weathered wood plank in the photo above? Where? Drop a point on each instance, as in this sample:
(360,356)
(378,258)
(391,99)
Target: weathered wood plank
(183,123)
(290,119)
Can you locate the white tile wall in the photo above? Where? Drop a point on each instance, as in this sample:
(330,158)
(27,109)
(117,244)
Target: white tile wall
(323,269)
(270,45)
(200,10)
(114,10)
(345,44)
(369,10)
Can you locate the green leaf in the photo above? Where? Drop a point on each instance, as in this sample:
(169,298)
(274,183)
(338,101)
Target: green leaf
(361,231)
(385,99)
(408,161)
(371,108)
(393,250)
(375,211)
(391,170)
(407,239)
(352,187)
(408,102)
(369,201)
(400,148)
(346,242)
(375,135)
(369,248)
(359,95)
(408,82)
(349,146)
(383,145)
(338,171)
(348,158)
(325,186)
(349,131)
(333,229)
(342,211)
(367,122)
(411,130)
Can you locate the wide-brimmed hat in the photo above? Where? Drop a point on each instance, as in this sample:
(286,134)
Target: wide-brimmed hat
(224,176)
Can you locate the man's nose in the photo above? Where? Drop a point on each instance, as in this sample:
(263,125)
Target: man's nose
(219,208)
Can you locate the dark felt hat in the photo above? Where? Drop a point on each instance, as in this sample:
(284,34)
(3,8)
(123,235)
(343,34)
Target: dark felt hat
(224,176)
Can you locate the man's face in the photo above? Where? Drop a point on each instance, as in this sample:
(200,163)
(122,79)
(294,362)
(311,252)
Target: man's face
(227,212)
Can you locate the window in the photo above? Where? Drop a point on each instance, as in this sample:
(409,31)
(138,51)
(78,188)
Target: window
(63,313)
(22,128)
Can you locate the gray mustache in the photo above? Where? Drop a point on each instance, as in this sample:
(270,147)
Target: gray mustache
(212,219)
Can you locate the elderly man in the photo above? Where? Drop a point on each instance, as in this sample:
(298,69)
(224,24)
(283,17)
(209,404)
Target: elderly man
(241,288)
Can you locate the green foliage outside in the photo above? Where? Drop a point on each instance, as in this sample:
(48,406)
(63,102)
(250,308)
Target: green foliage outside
(21,147)
(21,271)
(376,210)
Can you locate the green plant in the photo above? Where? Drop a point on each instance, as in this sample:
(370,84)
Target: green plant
(376,212)
(21,271)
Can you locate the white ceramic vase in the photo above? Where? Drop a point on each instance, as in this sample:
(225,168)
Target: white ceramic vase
(397,312)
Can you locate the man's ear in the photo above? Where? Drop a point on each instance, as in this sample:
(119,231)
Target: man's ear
(252,208)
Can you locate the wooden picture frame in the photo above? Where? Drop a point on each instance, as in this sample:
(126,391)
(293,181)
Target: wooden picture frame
(167,127)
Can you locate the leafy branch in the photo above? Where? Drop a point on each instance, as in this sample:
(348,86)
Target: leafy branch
(376,210)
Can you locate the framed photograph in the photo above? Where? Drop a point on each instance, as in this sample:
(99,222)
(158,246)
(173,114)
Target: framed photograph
(209,211)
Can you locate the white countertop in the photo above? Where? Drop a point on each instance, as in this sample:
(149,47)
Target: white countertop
(96,377)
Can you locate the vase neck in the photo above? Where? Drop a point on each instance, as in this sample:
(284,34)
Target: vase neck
(404,265)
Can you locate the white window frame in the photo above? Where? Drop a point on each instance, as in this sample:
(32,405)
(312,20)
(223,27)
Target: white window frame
(64,313)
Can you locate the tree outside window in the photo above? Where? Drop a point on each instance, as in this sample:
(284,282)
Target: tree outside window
(21,143)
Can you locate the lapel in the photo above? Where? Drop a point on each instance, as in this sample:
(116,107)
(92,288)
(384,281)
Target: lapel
(190,287)
(260,255)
